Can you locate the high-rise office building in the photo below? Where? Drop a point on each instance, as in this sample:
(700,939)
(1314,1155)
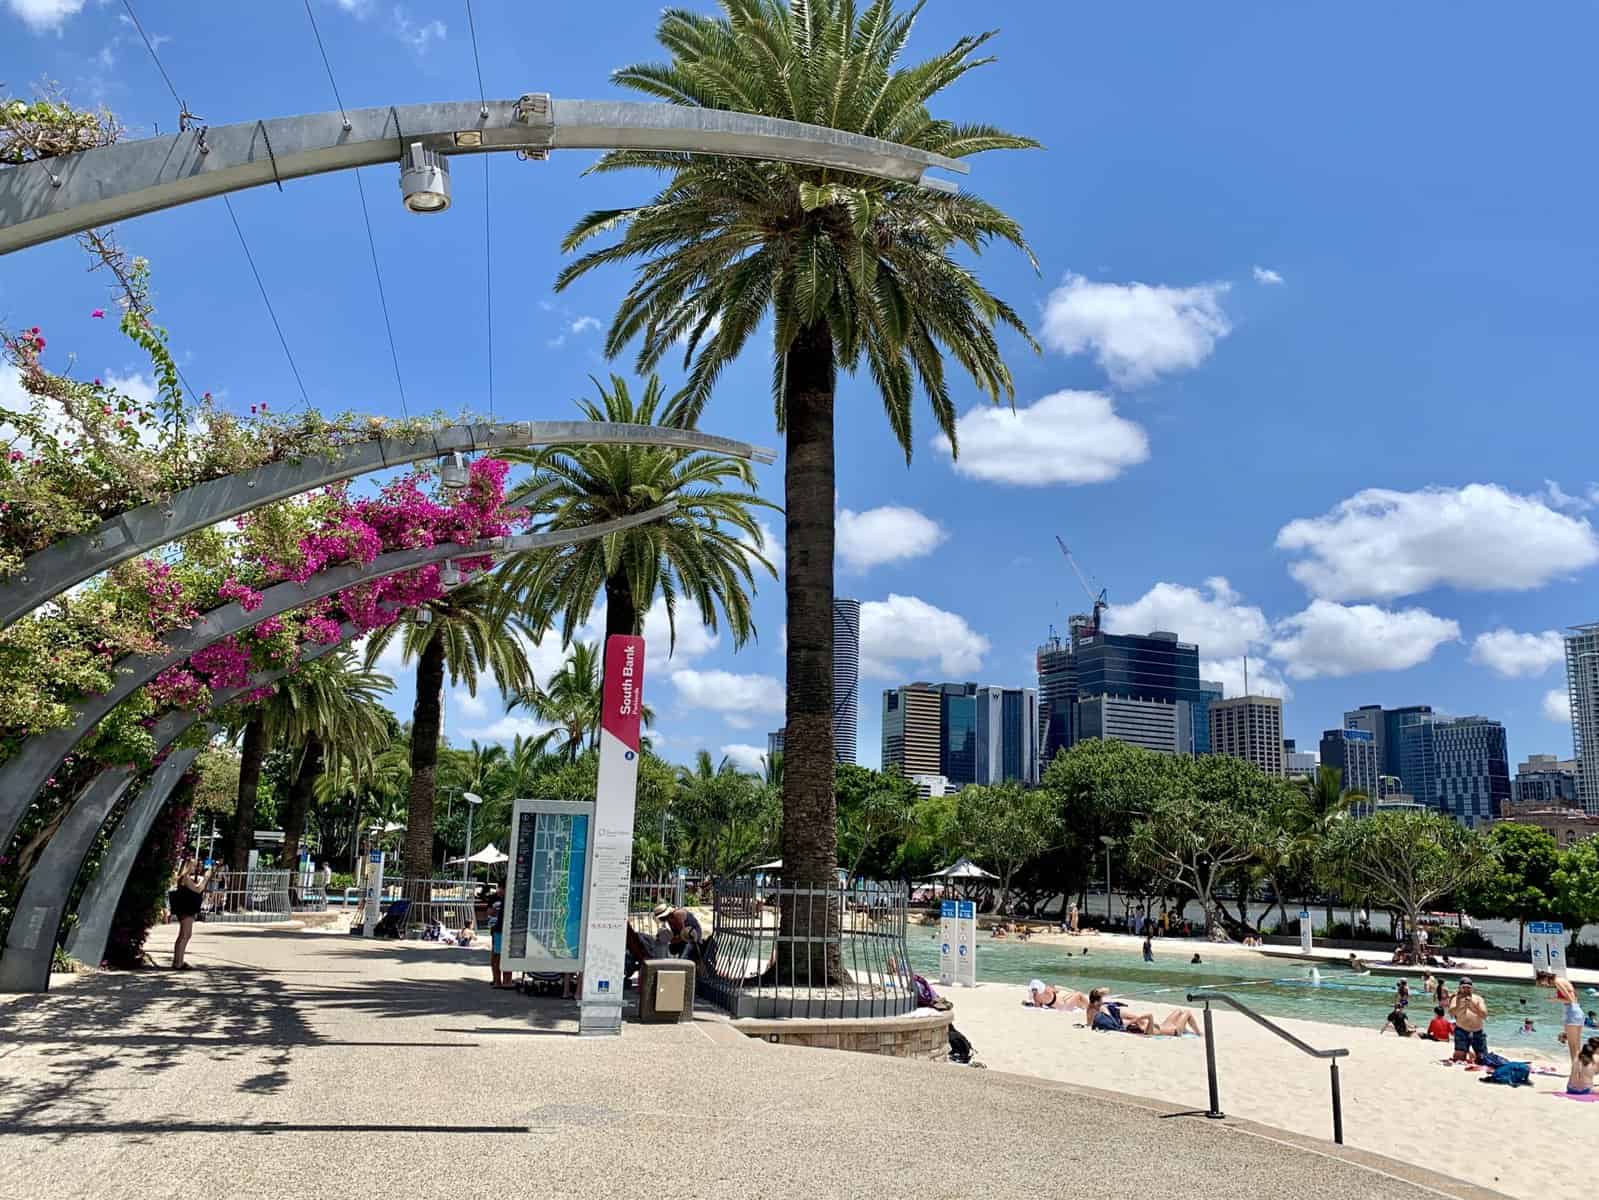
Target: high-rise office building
(1546,781)
(1353,752)
(1210,691)
(912,734)
(957,732)
(1582,686)
(1386,726)
(774,743)
(1157,725)
(1057,698)
(1007,735)
(1473,780)
(1156,668)
(846,678)
(1298,764)
(1250,728)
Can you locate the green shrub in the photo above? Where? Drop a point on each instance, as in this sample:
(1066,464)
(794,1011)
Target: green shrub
(62,963)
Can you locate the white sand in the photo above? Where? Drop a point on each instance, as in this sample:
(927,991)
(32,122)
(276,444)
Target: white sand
(1398,1099)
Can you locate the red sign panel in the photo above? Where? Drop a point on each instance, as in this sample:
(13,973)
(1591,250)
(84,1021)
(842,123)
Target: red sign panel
(624,689)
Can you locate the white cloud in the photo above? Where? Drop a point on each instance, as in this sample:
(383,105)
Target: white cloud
(1557,497)
(583,325)
(1513,654)
(472,707)
(745,757)
(1266,275)
(1334,640)
(392,661)
(1137,332)
(905,633)
(1066,437)
(727,692)
(417,35)
(1382,544)
(508,728)
(1222,627)
(1557,706)
(693,641)
(1264,677)
(359,8)
(883,535)
(41,16)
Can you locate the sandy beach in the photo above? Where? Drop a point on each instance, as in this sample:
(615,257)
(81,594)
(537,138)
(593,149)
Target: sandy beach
(1398,1098)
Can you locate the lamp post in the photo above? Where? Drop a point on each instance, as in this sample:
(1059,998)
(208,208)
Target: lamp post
(1108,843)
(472,801)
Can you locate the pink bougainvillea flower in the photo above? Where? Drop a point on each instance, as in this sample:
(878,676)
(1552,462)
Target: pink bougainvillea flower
(98,313)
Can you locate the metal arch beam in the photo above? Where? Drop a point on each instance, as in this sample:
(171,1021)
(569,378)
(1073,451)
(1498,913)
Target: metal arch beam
(71,560)
(98,906)
(26,772)
(55,197)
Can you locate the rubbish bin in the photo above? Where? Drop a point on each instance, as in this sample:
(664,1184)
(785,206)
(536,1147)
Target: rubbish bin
(666,991)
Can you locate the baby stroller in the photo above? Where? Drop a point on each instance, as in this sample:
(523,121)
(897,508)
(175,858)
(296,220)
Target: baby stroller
(393,923)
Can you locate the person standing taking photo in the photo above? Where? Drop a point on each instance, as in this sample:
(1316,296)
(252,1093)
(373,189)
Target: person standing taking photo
(185,900)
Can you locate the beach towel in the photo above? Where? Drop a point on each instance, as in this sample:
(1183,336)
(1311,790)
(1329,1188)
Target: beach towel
(1585,1098)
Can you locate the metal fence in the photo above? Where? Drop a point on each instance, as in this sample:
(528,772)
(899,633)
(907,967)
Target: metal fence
(247,897)
(836,950)
(448,904)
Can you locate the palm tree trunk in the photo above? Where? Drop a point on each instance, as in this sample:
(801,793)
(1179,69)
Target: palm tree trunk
(299,803)
(250,755)
(426,718)
(810,829)
(621,611)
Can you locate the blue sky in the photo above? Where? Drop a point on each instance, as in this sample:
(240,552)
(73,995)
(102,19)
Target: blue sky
(1317,292)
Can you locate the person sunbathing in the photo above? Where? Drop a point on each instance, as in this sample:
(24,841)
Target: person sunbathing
(1112,1016)
(1043,995)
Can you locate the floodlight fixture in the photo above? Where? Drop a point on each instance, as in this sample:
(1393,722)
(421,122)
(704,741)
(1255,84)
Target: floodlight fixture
(424,180)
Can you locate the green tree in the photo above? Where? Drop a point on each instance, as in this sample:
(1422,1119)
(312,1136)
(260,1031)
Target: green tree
(462,636)
(1576,885)
(725,820)
(704,551)
(1002,826)
(843,269)
(1404,861)
(1326,806)
(571,701)
(874,814)
(1204,823)
(1521,886)
(1100,786)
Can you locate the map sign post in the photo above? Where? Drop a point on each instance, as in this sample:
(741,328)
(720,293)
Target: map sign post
(948,934)
(542,927)
(966,957)
(372,900)
(612,874)
(1548,942)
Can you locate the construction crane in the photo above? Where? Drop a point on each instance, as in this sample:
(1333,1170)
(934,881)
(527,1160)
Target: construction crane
(1099,601)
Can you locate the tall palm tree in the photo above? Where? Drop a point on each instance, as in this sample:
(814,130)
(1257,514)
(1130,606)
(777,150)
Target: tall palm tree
(332,709)
(705,550)
(1324,804)
(465,634)
(848,269)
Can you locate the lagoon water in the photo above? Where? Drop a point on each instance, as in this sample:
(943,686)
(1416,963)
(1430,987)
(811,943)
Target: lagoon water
(1273,987)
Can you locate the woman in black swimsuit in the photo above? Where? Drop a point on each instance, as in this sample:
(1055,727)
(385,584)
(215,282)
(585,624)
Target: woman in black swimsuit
(185,901)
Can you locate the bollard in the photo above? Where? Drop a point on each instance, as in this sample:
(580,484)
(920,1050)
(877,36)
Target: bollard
(1338,1107)
(1215,1113)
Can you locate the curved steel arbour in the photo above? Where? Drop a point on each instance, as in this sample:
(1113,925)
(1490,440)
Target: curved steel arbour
(23,776)
(54,197)
(61,565)
(25,961)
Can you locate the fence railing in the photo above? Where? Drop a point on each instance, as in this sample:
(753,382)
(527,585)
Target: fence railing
(247,897)
(448,903)
(780,950)
(1303,1047)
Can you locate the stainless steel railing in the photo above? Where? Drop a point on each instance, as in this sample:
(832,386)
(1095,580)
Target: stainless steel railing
(1215,1112)
(247,898)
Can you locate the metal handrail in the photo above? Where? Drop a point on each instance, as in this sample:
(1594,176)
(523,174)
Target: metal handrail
(1215,1112)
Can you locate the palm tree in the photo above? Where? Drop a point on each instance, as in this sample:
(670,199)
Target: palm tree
(463,635)
(1324,804)
(703,551)
(571,702)
(847,268)
(333,708)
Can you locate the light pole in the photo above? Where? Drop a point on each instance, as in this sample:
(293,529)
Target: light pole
(1108,842)
(472,801)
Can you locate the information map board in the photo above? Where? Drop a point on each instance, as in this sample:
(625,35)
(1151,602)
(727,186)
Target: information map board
(552,847)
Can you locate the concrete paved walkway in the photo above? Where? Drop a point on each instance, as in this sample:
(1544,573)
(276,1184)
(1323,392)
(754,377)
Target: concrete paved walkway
(313,1064)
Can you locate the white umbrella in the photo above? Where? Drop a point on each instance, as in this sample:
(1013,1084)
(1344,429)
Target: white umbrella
(775,865)
(964,869)
(488,855)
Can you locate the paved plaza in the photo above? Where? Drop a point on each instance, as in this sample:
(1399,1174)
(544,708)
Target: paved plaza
(308,1063)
